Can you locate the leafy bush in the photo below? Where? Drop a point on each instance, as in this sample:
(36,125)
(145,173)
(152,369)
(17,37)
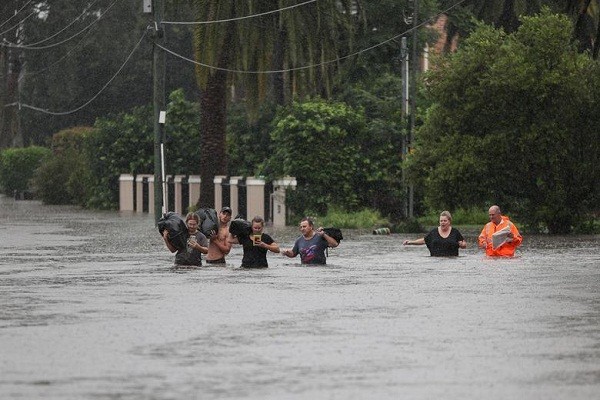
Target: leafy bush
(501,131)
(361,219)
(18,165)
(124,144)
(460,216)
(320,143)
(249,142)
(64,178)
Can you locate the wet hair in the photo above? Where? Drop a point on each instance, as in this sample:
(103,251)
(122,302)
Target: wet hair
(307,219)
(447,215)
(193,216)
(259,220)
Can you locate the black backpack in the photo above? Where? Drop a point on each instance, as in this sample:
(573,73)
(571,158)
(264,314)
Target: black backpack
(239,227)
(334,233)
(209,221)
(178,232)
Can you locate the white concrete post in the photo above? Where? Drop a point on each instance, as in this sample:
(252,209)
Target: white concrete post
(126,198)
(178,193)
(234,194)
(280,186)
(194,188)
(255,197)
(139,187)
(218,181)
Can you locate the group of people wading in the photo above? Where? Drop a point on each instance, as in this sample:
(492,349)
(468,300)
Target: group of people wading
(499,237)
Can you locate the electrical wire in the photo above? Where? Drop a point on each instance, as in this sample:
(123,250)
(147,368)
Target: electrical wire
(31,47)
(42,110)
(17,13)
(65,28)
(18,23)
(236,71)
(67,54)
(21,105)
(237,18)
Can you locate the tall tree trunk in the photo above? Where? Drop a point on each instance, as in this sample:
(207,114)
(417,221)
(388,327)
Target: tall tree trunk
(508,20)
(583,36)
(596,49)
(213,124)
(278,79)
(4,142)
(10,132)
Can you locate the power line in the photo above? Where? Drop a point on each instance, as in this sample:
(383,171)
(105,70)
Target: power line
(15,14)
(32,47)
(66,27)
(237,18)
(67,54)
(415,27)
(18,23)
(20,105)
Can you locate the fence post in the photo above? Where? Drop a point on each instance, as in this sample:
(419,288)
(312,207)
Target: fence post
(194,189)
(139,198)
(255,195)
(126,197)
(280,187)
(234,194)
(218,181)
(177,189)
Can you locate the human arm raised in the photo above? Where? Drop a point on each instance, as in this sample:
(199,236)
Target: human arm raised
(165,236)
(331,242)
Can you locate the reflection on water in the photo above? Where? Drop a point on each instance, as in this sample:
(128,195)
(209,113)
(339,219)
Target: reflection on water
(90,307)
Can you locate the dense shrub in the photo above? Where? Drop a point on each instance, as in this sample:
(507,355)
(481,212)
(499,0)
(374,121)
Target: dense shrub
(514,123)
(320,143)
(17,167)
(124,144)
(64,178)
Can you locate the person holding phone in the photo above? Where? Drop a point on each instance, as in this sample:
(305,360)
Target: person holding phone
(256,245)
(197,243)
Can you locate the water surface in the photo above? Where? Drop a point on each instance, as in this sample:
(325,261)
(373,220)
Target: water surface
(90,307)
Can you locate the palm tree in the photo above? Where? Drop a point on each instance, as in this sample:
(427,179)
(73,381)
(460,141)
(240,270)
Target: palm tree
(306,35)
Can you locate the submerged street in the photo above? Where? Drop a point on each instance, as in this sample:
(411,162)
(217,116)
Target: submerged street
(90,307)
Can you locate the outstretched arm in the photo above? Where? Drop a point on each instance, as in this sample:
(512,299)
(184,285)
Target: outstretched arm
(289,252)
(415,242)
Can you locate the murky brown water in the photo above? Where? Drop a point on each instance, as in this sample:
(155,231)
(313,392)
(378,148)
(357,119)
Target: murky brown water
(91,308)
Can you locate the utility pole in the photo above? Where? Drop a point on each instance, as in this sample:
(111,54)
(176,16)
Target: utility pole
(413,99)
(409,107)
(405,110)
(158,74)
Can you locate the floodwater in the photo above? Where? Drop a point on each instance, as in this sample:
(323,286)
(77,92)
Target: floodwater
(90,308)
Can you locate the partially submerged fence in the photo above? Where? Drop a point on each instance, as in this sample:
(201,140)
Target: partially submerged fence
(247,196)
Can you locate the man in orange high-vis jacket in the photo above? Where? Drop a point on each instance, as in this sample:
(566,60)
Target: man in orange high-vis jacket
(507,237)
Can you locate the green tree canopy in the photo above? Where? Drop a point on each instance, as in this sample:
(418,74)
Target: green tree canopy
(319,142)
(514,122)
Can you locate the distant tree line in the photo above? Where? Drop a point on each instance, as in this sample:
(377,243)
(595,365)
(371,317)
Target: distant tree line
(342,117)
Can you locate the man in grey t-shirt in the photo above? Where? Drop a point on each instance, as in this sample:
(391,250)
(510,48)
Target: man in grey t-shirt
(312,244)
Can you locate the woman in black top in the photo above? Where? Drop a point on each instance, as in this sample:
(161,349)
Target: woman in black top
(256,245)
(443,241)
